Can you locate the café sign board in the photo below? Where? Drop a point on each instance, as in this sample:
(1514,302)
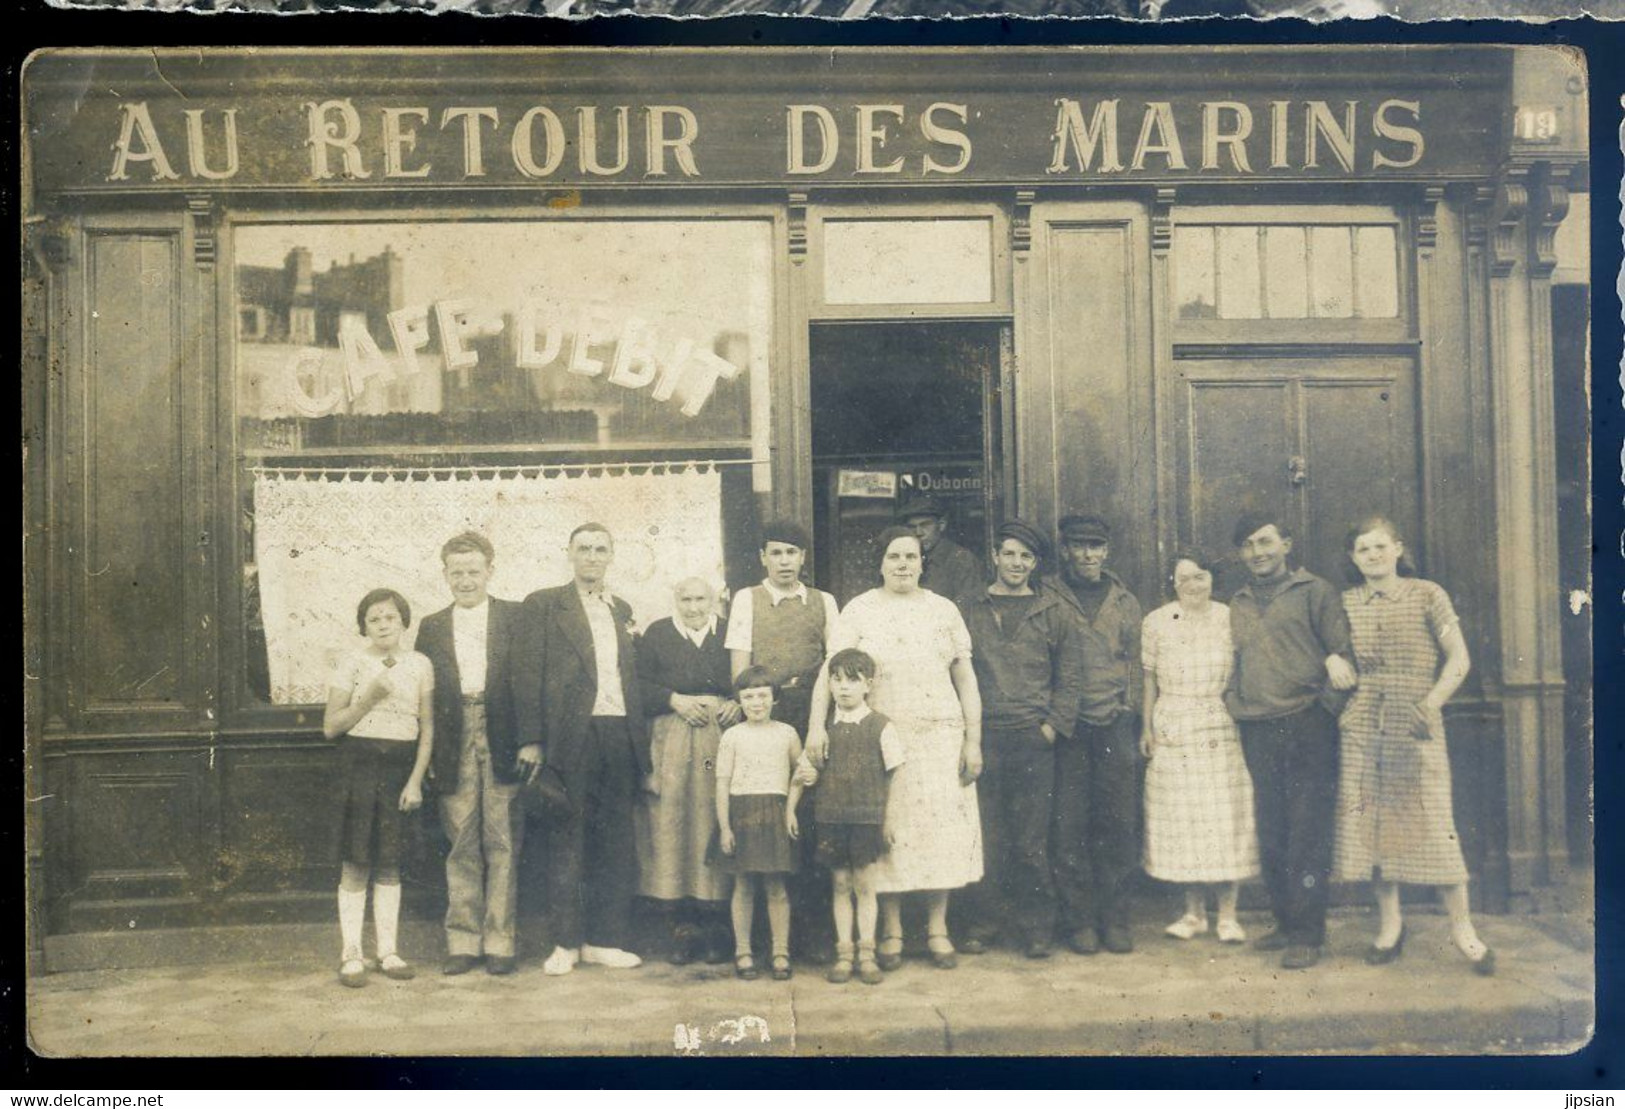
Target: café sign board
(401,120)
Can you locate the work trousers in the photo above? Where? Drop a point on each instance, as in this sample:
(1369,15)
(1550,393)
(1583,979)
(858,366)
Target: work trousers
(1293,763)
(592,875)
(485,827)
(1095,840)
(1016,896)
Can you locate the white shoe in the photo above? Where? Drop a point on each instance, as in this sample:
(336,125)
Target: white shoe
(562,961)
(612,957)
(1231,932)
(1186,927)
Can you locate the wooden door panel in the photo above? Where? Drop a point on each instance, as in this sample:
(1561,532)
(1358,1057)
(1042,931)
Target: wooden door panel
(1324,441)
(1359,445)
(1240,436)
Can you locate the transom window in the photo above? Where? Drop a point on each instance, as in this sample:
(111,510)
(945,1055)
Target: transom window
(1255,271)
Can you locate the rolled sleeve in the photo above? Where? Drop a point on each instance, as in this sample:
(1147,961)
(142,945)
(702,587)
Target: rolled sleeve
(741,619)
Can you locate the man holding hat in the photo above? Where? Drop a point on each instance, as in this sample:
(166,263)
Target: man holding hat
(950,570)
(1097,772)
(1027,642)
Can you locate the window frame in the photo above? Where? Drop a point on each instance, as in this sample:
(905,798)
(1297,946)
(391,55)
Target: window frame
(243,714)
(825,210)
(1391,329)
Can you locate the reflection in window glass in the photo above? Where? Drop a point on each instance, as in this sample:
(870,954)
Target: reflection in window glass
(1240,280)
(1194,273)
(1331,272)
(616,333)
(1376,259)
(1286,273)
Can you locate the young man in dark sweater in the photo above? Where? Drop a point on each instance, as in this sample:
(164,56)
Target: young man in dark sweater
(1293,657)
(1028,654)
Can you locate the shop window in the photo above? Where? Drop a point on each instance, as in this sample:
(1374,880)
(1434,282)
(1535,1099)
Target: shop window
(1286,272)
(400,387)
(908,261)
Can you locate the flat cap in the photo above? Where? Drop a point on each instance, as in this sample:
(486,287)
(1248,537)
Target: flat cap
(1083,526)
(1025,534)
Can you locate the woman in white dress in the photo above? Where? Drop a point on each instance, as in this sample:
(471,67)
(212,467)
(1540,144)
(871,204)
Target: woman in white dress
(1198,795)
(925,685)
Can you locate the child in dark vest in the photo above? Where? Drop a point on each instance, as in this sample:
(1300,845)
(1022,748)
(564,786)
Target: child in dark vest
(849,804)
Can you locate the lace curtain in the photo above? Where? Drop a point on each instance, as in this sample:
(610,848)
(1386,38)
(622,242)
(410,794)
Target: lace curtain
(320,544)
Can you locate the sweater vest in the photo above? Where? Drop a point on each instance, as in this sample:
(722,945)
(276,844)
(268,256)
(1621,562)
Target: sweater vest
(851,787)
(787,638)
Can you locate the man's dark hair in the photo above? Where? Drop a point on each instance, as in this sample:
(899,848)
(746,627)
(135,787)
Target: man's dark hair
(570,542)
(468,543)
(852,663)
(784,531)
(378,596)
(1251,522)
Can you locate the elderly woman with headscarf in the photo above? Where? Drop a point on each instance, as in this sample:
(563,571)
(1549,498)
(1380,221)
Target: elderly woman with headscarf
(686,689)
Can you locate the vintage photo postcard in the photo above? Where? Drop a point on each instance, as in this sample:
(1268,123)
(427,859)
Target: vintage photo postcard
(839,551)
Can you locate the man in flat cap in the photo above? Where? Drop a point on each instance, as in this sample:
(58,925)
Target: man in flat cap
(1096,845)
(1027,641)
(950,570)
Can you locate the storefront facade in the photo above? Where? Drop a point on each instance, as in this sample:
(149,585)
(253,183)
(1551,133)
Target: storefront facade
(296,316)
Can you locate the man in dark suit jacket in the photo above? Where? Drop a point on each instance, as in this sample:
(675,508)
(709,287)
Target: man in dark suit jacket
(579,713)
(475,760)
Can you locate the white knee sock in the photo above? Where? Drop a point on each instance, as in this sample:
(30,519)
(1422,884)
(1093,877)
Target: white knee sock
(352,911)
(386,911)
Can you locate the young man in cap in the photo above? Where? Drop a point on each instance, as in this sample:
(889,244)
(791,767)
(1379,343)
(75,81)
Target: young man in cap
(1293,655)
(783,625)
(950,570)
(1028,656)
(1097,770)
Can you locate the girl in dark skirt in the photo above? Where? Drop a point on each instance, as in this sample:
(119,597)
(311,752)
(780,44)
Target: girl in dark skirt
(380,702)
(850,805)
(755,762)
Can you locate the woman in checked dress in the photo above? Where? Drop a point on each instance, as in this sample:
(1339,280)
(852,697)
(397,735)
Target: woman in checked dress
(1394,818)
(1198,796)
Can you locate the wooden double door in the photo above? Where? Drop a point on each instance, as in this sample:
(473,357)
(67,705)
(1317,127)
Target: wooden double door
(1323,440)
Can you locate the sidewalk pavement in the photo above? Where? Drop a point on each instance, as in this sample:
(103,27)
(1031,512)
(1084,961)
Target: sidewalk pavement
(277,993)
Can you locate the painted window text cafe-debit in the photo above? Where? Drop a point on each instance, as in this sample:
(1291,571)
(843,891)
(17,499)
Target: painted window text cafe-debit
(299,316)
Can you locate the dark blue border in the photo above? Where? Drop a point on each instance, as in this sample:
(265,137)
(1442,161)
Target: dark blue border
(1596,1066)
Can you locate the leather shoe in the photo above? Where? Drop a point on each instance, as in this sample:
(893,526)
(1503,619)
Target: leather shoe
(1084,941)
(1382,956)
(1273,940)
(501,964)
(1300,956)
(1484,965)
(974,945)
(459,964)
(1038,949)
(1117,939)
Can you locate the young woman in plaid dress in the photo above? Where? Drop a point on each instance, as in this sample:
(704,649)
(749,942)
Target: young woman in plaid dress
(1198,796)
(1394,820)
